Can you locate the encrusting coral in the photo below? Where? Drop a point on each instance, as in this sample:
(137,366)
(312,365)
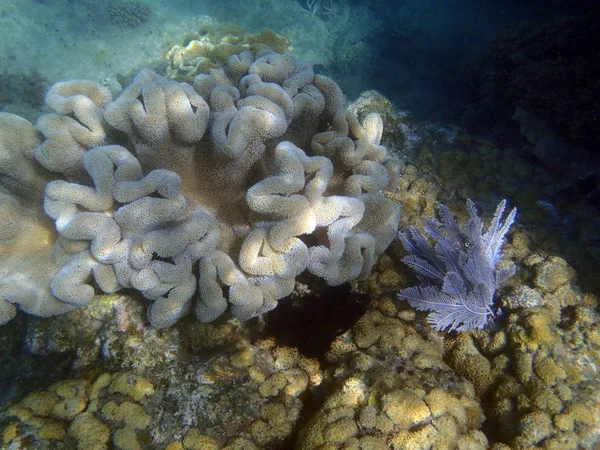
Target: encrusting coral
(537,375)
(253,174)
(81,414)
(391,389)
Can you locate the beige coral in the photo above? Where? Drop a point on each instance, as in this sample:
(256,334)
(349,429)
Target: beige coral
(77,126)
(18,170)
(537,375)
(239,174)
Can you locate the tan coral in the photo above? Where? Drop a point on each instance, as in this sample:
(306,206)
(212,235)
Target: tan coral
(67,411)
(272,385)
(406,408)
(375,403)
(285,357)
(10,432)
(126,439)
(131,414)
(243,358)
(132,385)
(468,362)
(542,369)
(553,273)
(40,427)
(175,445)
(20,173)
(195,440)
(40,403)
(102,382)
(275,426)
(89,432)
(68,138)
(211,48)
(225,175)
(242,444)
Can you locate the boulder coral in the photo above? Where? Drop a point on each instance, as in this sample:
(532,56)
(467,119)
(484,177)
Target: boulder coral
(228,188)
(391,389)
(80,414)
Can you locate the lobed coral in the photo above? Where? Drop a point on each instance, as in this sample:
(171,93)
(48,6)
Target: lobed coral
(233,187)
(263,409)
(246,395)
(28,260)
(537,375)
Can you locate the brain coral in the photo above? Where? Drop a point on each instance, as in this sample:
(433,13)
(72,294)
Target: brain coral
(229,188)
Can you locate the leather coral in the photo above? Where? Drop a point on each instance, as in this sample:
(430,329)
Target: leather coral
(214,195)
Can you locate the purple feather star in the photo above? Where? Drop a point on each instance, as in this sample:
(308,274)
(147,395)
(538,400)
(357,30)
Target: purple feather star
(458,274)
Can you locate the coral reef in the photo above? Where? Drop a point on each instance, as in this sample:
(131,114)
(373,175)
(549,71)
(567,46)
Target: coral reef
(262,412)
(444,164)
(387,382)
(254,174)
(538,364)
(251,176)
(246,395)
(537,376)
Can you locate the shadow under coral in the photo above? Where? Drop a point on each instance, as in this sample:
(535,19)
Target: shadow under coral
(311,323)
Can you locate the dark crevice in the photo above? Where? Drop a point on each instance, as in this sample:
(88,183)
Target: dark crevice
(312,322)
(21,370)
(157,257)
